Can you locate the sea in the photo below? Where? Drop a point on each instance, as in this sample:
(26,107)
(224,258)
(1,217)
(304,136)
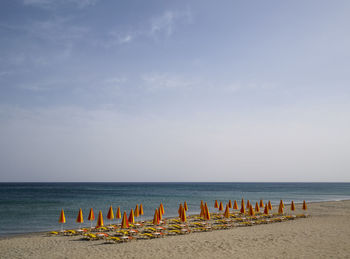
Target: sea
(35,207)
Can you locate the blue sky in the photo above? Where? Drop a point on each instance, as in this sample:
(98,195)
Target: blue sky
(94,90)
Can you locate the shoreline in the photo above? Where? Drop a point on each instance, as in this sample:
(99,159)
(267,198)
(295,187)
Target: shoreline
(326,233)
(14,235)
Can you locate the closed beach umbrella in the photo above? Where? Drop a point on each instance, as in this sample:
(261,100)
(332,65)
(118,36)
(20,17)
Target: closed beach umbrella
(242,207)
(207,214)
(99,220)
(160,216)
(80,217)
(131,217)
(230,204)
(221,207)
(242,203)
(261,204)
(125,222)
(110,214)
(141,209)
(292,206)
(62,219)
(156,218)
(281,203)
(235,205)
(304,205)
(185,206)
(202,214)
(183,215)
(161,207)
(137,212)
(180,210)
(91,217)
(257,209)
(216,205)
(118,214)
(227,211)
(251,211)
(280,209)
(248,204)
(270,206)
(266,210)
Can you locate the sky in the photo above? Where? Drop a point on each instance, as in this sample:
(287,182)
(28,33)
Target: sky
(187,90)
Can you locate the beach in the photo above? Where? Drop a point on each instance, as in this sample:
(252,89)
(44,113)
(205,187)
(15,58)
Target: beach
(326,233)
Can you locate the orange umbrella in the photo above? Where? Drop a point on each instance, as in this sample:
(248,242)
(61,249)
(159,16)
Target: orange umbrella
(62,219)
(183,215)
(235,205)
(185,206)
(304,205)
(131,217)
(216,205)
(110,214)
(125,222)
(80,217)
(251,211)
(261,204)
(280,208)
(202,214)
(137,212)
(242,207)
(156,218)
(91,217)
(248,204)
(202,204)
(266,210)
(227,211)
(292,206)
(221,207)
(257,209)
(207,214)
(160,216)
(141,209)
(281,203)
(242,202)
(230,204)
(270,206)
(180,210)
(161,207)
(99,220)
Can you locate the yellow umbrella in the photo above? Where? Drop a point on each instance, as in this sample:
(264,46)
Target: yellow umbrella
(304,205)
(80,217)
(99,220)
(251,211)
(91,217)
(183,215)
(202,214)
(227,211)
(161,207)
(62,219)
(261,204)
(270,206)
(281,203)
(125,222)
(118,214)
(216,205)
(137,212)
(235,205)
(280,208)
(110,214)
(248,204)
(221,207)
(131,217)
(230,204)
(156,218)
(266,210)
(292,206)
(207,214)
(185,206)
(257,209)
(141,210)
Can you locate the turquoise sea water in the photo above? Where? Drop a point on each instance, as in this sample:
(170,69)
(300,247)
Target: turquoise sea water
(33,207)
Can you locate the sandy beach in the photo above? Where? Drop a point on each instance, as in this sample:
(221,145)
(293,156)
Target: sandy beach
(325,234)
